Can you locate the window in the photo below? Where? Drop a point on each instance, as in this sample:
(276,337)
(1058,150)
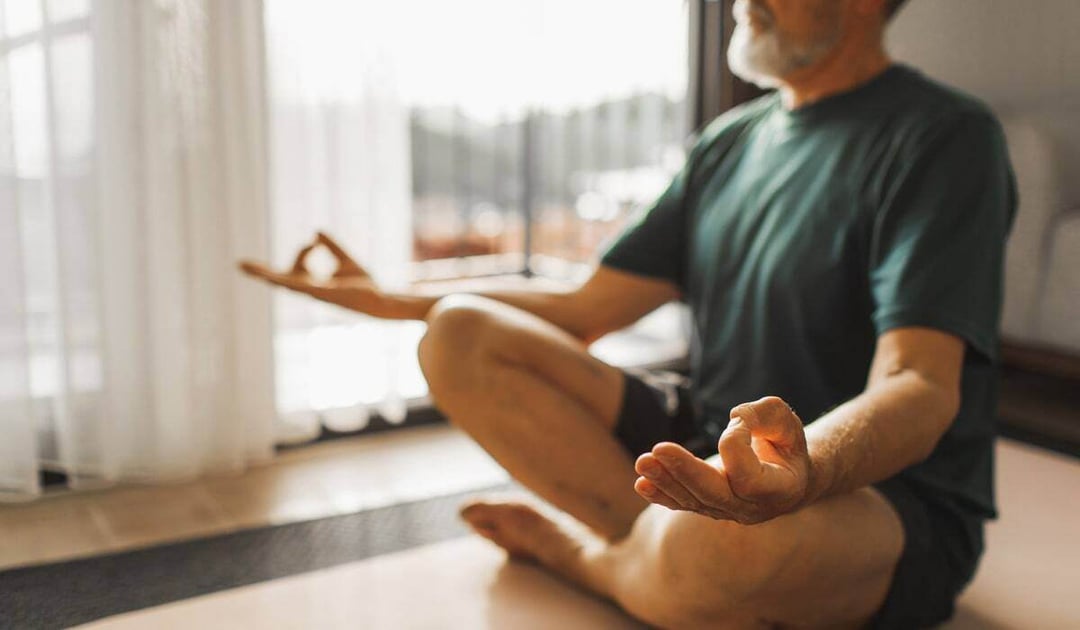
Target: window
(554,127)
(445,140)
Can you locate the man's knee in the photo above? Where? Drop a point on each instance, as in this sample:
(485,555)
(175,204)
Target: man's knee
(461,331)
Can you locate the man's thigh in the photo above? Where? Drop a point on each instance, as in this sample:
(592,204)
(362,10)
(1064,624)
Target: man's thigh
(517,337)
(828,565)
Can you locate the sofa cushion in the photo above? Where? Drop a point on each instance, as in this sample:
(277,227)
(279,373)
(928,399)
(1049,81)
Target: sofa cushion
(1058,319)
(1037,161)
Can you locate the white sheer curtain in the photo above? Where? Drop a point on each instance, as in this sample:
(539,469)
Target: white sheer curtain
(143,151)
(132,175)
(340,162)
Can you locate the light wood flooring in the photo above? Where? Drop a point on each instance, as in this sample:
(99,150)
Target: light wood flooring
(1028,578)
(319,480)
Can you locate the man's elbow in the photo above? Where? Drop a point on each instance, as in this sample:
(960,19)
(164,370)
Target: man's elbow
(943,405)
(590,319)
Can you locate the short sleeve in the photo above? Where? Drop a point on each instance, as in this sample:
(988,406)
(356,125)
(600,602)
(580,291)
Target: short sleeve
(939,236)
(653,243)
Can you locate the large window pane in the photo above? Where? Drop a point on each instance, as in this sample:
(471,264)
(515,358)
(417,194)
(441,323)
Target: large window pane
(446,139)
(554,123)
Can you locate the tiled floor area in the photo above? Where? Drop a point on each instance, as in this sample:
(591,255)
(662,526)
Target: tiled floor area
(325,479)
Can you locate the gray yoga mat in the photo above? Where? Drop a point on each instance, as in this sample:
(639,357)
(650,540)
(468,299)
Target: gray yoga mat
(64,594)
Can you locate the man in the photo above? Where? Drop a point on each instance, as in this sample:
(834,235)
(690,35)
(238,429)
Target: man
(839,243)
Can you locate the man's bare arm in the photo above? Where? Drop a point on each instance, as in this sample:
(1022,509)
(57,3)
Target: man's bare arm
(607,301)
(768,465)
(911,398)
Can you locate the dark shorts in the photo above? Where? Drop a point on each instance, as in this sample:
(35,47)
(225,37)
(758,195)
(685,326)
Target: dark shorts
(941,547)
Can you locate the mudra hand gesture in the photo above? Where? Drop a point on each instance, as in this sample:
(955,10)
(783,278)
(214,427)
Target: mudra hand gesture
(762,469)
(350,286)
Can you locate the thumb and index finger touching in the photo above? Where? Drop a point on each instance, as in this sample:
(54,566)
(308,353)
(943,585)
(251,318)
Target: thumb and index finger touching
(346,263)
(769,419)
(299,263)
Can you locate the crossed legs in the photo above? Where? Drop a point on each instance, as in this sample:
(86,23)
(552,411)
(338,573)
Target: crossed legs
(545,409)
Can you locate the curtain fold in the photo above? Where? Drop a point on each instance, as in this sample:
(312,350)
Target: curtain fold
(133,174)
(339,130)
(18,456)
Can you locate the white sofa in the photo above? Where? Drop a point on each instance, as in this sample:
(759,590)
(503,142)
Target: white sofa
(1042,274)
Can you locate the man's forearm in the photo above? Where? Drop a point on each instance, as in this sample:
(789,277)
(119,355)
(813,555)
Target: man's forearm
(894,424)
(608,300)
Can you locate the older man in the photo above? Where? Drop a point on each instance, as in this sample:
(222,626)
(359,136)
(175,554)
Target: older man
(840,244)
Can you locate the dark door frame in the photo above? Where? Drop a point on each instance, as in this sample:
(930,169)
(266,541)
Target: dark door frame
(713,88)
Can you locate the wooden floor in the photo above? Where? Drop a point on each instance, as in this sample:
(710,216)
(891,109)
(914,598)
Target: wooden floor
(1028,578)
(338,477)
(461,584)
(1030,575)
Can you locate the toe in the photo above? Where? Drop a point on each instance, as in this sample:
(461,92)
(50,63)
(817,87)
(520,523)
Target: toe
(515,527)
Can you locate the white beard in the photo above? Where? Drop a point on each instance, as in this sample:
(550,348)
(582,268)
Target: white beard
(765,58)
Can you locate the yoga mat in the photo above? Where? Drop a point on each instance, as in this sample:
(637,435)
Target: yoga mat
(68,593)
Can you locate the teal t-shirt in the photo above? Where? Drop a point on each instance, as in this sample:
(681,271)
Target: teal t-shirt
(797,237)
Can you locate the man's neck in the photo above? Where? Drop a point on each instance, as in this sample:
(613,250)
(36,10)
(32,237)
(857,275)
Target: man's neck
(834,74)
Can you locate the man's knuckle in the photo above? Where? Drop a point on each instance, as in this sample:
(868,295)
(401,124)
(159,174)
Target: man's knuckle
(773,406)
(728,439)
(741,409)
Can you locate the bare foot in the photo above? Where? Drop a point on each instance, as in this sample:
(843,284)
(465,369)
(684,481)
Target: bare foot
(523,532)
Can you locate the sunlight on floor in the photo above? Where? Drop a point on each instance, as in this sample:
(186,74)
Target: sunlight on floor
(317,481)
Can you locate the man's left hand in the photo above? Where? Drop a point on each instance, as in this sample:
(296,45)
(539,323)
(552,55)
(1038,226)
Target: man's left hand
(761,472)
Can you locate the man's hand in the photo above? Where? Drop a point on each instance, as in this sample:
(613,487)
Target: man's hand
(350,286)
(762,470)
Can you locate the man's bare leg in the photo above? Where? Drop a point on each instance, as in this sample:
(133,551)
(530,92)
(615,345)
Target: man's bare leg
(828,565)
(533,397)
(545,410)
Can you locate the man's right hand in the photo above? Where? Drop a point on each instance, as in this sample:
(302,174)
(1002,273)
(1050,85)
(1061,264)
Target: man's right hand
(350,286)
(609,300)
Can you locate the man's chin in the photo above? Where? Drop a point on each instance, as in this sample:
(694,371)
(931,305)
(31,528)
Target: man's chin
(749,56)
(763,81)
(746,71)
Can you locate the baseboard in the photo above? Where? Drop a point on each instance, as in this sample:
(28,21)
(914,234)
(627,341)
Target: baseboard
(1034,358)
